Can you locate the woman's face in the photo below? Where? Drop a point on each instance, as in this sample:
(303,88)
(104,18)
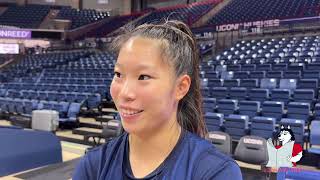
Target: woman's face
(143,87)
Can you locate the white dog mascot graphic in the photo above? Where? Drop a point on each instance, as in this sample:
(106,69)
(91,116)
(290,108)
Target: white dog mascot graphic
(286,154)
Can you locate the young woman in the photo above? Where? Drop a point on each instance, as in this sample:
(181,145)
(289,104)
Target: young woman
(157,93)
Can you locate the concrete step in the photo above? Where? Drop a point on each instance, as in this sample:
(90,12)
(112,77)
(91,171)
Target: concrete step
(5,123)
(87,131)
(91,123)
(68,136)
(73,138)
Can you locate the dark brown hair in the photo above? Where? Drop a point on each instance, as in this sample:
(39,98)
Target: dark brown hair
(180,50)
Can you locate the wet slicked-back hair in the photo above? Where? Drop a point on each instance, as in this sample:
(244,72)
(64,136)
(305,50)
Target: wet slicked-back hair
(179,50)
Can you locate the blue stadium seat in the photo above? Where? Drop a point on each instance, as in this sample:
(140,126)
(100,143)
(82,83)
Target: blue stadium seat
(281,95)
(209,105)
(314,138)
(236,125)
(249,108)
(317,111)
(299,110)
(205,91)
(311,75)
(229,83)
(214,121)
(93,100)
(219,92)
(233,68)
(280,67)
(241,75)
(29,106)
(249,83)
(73,112)
(292,75)
(227,106)
(215,82)
(273,109)
(290,84)
(257,74)
(226,75)
(62,108)
(248,67)
(274,74)
(239,93)
(263,126)
(308,84)
(268,83)
(259,95)
(304,95)
(263,67)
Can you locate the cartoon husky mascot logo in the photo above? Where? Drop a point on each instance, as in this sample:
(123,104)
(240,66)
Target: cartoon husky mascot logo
(287,154)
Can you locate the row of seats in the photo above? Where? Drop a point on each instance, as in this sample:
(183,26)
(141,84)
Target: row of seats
(67,111)
(252,10)
(87,81)
(79,70)
(263,67)
(113,24)
(283,95)
(253,149)
(100,89)
(275,109)
(312,74)
(267,83)
(37,83)
(186,13)
(81,17)
(238,126)
(276,48)
(28,16)
(92,100)
(76,75)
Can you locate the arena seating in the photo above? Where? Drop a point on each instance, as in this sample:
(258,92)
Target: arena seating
(258,85)
(81,17)
(29,16)
(253,10)
(186,13)
(114,23)
(65,82)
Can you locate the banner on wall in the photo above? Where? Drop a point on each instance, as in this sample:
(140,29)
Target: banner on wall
(248,25)
(103,2)
(16,34)
(9,48)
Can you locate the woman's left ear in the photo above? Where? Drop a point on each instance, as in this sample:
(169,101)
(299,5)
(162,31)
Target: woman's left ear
(183,85)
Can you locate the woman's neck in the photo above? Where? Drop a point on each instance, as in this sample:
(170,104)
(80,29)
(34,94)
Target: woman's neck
(148,152)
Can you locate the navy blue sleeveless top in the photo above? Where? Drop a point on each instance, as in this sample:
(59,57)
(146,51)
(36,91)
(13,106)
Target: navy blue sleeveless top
(191,158)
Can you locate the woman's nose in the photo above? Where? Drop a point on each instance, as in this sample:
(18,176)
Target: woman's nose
(127,91)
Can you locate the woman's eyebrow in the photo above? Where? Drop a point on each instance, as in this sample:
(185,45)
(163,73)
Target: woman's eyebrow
(138,67)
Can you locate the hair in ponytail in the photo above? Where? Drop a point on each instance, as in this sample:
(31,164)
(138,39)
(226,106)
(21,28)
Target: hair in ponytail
(180,50)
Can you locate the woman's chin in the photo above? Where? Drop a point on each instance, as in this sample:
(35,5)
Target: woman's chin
(130,128)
